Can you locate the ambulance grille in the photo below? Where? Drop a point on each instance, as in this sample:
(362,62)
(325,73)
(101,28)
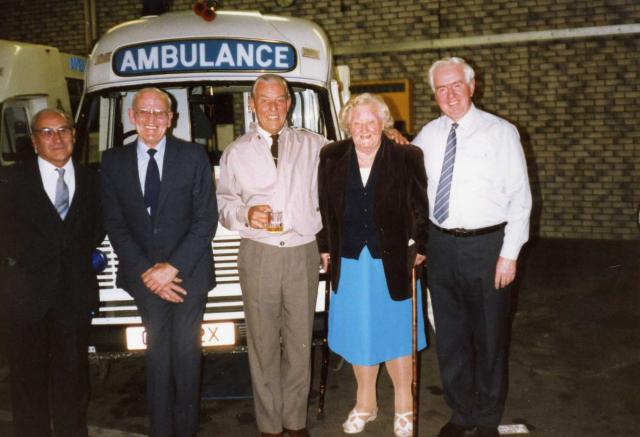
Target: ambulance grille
(224,302)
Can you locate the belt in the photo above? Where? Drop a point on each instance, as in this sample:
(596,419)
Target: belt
(461,232)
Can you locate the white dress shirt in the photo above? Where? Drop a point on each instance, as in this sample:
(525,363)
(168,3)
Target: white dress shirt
(249,177)
(49,177)
(490,184)
(365,172)
(267,136)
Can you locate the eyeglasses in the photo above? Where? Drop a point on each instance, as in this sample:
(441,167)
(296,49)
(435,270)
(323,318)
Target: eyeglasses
(146,114)
(48,133)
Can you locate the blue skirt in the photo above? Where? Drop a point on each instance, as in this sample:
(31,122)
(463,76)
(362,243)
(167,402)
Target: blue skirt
(366,326)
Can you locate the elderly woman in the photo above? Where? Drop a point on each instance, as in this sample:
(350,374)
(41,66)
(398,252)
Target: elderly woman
(373,202)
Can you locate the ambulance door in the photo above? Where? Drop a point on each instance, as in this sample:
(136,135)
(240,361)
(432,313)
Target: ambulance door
(97,129)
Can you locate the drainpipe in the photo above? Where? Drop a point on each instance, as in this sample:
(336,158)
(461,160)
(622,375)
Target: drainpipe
(90,27)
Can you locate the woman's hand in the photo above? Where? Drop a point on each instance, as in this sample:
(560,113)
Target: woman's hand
(419,259)
(326,259)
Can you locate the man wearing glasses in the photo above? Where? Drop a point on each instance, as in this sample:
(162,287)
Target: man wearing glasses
(51,223)
(161,214)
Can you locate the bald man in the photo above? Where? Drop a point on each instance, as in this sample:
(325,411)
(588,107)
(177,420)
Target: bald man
(51,223)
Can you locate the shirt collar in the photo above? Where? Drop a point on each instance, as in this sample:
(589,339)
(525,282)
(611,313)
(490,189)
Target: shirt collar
(46,167)
(467,119)
(142,147)
(266,135)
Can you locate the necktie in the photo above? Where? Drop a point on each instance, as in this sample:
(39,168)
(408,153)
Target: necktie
(62,195)
(441,207)
(152,183)
(274,147)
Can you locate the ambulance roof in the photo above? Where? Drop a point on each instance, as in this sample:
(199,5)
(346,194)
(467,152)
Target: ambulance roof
(235,46)
(28,69)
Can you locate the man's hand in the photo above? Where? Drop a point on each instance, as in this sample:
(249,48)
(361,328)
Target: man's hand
(172,292)
(419,259)
(258,216)
(395,135)
(505,272)
(158,276)
(326,260)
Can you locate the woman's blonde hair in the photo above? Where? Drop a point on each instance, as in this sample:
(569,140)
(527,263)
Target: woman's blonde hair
(381,108)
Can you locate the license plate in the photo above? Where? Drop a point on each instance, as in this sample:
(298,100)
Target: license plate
(213,334)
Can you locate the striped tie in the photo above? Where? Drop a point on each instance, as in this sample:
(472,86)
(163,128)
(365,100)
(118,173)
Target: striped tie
(61,201)
(441,208)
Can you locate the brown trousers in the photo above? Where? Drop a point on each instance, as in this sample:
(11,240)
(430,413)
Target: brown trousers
(279,289)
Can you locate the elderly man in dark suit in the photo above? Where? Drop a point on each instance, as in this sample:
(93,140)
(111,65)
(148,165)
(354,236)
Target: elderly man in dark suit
(161,214)
(51,222)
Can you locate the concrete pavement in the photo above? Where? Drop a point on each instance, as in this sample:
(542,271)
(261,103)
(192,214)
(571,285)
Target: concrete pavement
(574,360)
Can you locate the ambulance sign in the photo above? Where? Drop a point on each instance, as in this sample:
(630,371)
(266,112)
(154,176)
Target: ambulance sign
(204,55)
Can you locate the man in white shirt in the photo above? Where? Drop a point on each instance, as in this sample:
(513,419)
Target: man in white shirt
(479,208)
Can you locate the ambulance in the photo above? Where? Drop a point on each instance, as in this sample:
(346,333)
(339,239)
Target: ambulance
(33,77)
(208,68)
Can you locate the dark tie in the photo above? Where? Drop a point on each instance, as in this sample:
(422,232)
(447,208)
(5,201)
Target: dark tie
(61,201)
(441,207)
(274,147)
(152,183)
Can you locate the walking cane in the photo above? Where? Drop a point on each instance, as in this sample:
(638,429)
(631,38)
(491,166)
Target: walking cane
(325,345)
(414,350)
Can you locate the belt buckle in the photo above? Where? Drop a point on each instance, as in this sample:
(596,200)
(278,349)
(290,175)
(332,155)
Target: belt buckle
(461,232)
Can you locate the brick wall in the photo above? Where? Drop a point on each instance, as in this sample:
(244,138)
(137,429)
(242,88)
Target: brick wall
(575,101)
(59,23)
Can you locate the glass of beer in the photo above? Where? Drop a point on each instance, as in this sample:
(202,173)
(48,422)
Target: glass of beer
(275,222)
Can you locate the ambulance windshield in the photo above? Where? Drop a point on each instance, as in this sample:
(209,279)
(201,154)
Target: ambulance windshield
(211,114)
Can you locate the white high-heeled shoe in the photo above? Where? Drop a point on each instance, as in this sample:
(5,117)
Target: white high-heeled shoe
(403,424)
(357,420)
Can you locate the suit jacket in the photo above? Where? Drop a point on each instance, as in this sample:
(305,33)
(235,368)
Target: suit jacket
(47,260)
(400,210)
(180,232)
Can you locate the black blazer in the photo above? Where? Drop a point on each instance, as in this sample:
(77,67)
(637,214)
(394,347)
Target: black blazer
(45,260)
(399,209)
(184,223)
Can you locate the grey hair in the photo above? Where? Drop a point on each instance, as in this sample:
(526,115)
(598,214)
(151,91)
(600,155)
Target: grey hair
(60,112)
(374,100)
(268,78)
(163,94)
(469,74)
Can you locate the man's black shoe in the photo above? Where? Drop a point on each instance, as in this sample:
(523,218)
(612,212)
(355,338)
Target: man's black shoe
(483,431)
(453,430)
